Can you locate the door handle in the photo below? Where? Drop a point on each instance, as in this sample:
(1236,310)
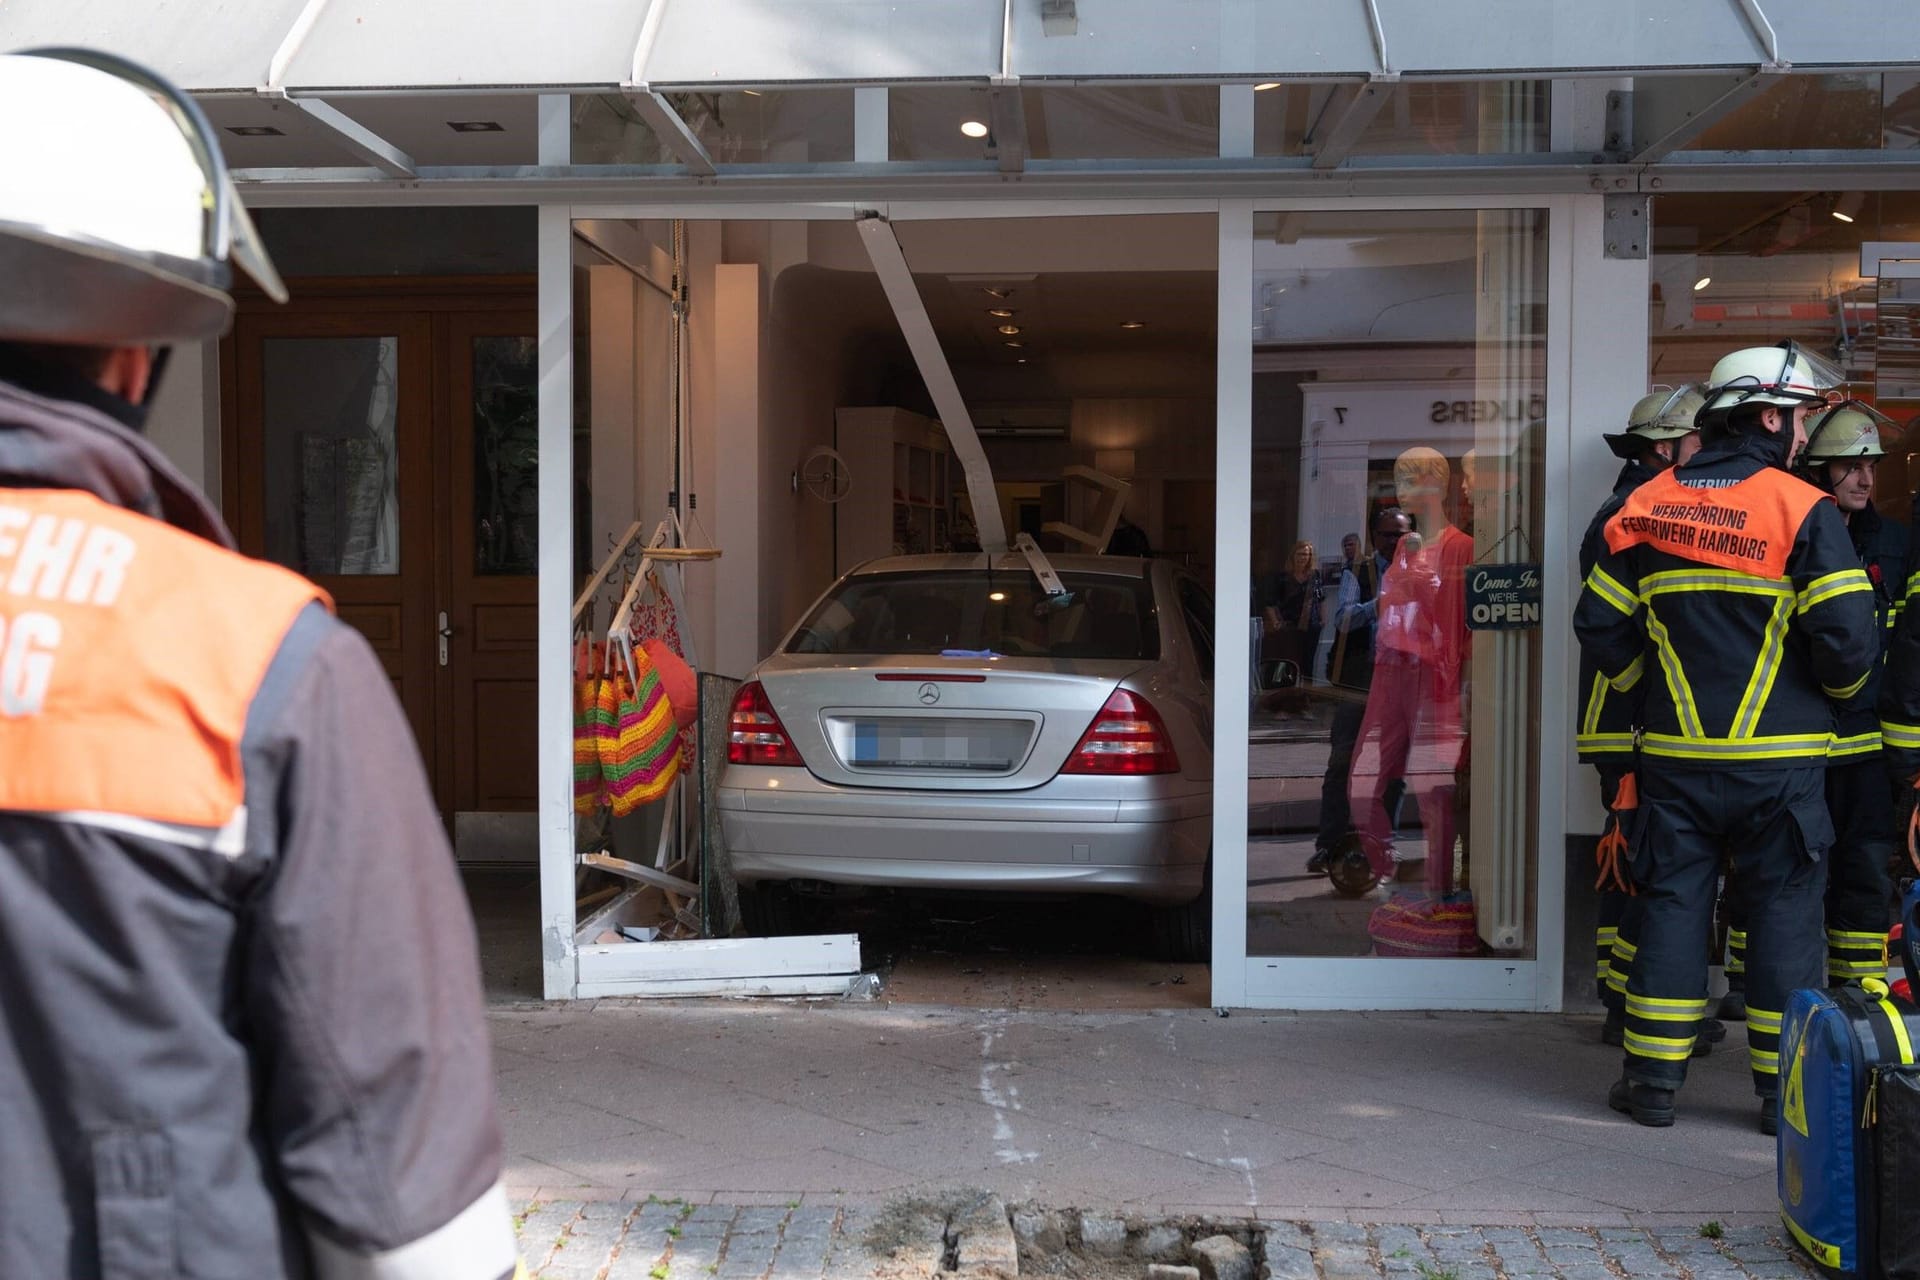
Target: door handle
(446,633)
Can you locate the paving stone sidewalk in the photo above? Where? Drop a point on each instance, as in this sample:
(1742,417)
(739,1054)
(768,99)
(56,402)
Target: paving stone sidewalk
(657,1239)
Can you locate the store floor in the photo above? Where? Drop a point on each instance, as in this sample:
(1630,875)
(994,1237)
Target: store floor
(966,953)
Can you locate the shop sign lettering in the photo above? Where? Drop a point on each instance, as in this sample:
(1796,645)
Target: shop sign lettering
(1516,410)
(1503,597)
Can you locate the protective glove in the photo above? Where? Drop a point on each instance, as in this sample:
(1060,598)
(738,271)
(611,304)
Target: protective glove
(1613,855)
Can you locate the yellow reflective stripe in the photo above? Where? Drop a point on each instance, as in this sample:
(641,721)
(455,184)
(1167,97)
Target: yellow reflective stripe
(1661,1048)
(1701,747)
(1677,686)
(1631,676)
(1844,969)
(1900,1036)
(1600,970)
(1659,1011)
(1596,701)
(1767,1064)
(1859,744)
(1827,1255)
(1864,937)
(1894,734)
(1627,951)
(1765,669)
(1616,980)
(1605,934)
(1838,583)
(1608,588)
(1714,580)
(1913,582)
(1610,744)
(1763,1020)
(1841,695)
(1736,937)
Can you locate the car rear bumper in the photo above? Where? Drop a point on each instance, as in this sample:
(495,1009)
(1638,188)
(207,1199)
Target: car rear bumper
(1151,850)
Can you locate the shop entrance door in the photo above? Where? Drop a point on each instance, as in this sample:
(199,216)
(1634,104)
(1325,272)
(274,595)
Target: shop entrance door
(382,442)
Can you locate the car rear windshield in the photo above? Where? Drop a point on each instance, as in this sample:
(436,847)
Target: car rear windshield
(972,613)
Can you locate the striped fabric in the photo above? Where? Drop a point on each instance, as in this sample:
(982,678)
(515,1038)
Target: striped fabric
(639,743)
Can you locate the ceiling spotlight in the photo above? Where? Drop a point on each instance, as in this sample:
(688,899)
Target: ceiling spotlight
(1009,329)
(1000,313)
(991,292)
(1702,283)
(1014,344)
(476,126)
(1844,217)
(1020,360)
(1133,324)
(254,131)
(1262,88)
(973,128)
(751,93)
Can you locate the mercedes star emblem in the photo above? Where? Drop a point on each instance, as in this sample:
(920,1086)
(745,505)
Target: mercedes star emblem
(929,694)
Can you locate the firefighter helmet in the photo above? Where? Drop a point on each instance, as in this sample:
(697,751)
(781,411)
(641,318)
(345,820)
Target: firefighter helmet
(1848,430)
(1785,374)
(1664,414)
(118,220)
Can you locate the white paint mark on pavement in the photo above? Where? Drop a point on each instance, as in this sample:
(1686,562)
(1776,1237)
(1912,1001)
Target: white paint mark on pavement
(1003,1102)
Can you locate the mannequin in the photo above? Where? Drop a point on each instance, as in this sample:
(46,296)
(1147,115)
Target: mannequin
(1421,650)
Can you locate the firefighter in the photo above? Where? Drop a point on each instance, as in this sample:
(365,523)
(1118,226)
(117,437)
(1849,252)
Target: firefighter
(1660,432)
(1735,585)
(1842,454)
(241,1028)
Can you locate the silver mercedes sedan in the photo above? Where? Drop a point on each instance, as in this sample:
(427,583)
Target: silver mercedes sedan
(946,723)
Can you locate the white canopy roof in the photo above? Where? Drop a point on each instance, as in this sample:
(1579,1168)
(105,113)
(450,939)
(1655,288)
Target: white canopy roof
(313,46)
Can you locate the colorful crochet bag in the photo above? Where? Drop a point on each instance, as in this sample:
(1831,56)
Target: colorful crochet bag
(638,739)
(1416,926)
(589,791)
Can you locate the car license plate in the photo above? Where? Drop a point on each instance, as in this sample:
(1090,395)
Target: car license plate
(919,744)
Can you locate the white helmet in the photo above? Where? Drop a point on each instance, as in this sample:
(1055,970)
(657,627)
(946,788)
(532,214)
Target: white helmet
(1848,430)
(1786,374)
(117,217)
(1666,413)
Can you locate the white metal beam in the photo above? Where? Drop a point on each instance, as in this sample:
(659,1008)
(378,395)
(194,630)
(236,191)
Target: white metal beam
(668,126)
(355,137)
(1236,121)
(897,279)
(870,125)
(554,695)
(1353,108)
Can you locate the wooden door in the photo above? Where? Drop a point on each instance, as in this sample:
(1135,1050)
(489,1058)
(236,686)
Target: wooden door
(332,445)
(493,554)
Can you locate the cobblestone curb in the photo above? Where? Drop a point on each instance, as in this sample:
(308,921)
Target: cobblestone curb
(973,1234)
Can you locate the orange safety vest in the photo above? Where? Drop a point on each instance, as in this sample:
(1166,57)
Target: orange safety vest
(130,653)
(1748,527)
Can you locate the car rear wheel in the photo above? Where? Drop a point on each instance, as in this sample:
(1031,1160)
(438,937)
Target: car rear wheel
(1184,934)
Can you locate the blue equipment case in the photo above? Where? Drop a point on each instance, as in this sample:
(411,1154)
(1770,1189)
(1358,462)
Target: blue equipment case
(1849,1145)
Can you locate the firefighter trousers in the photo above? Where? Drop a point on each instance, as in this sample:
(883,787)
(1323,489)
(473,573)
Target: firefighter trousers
(1859,884)
(1616,931)
(1773,824)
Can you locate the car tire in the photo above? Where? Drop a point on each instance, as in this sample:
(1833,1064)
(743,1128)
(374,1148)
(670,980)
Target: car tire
(768,910)
(1184,934)
(1350,870)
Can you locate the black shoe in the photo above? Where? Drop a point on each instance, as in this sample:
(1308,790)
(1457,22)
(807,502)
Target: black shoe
(1733,1007)
(1317,864)
(1614,1030)
(1712,1032)
(1646,1103)
(1770,1116)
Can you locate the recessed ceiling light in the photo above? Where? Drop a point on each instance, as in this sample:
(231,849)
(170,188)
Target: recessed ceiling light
(996,596)
(476,126)
(1020,360)
(1009,329)
(751,93)
(1702,283)
(1014,344)
(1262,88)
(991,292)
(973,128)
(254,131)
(1133,324)
(1844,217)
(1001,313)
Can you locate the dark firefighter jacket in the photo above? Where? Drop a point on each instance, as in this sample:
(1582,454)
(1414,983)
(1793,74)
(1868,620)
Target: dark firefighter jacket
(1732,589)
(1608,716)
(1881,546)
(1899,703)
(241,1030)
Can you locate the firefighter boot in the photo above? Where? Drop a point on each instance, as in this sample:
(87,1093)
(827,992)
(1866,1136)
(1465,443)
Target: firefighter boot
(1647,1104)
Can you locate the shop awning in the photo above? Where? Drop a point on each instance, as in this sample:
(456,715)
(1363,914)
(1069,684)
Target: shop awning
(389,46)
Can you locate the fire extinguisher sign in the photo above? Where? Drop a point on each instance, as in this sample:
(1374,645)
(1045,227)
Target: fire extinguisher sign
(1503,597)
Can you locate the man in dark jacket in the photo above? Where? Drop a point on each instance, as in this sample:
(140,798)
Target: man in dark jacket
(1842,455)
(241,1030)
(1734,582)
(1660,433)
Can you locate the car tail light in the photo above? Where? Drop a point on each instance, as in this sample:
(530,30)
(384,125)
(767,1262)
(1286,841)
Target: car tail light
(755,734)
(1127,737)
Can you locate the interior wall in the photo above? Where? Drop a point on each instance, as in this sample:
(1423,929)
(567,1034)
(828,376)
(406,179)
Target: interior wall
(184,419)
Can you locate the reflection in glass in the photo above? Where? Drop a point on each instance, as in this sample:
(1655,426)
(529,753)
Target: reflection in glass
(506,456)
(331,408)
(1420,118)
(747,127)
(1398,396)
